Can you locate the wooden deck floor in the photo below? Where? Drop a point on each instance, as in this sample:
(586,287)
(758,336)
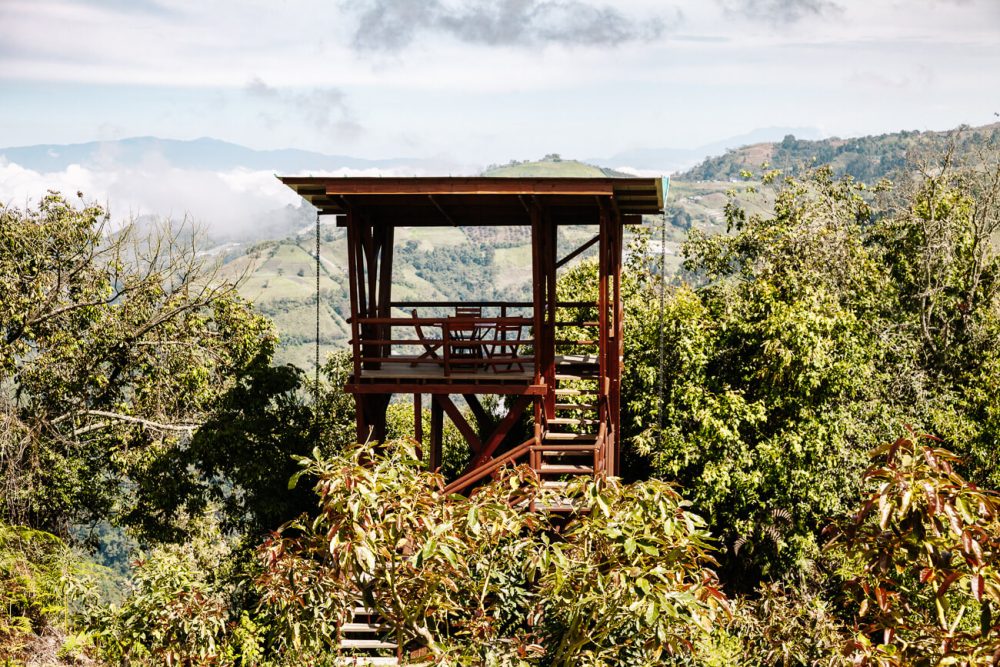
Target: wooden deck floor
(404,371)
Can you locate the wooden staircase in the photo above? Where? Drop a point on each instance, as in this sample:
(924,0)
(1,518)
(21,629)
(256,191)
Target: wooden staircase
(363,641)
(572,441)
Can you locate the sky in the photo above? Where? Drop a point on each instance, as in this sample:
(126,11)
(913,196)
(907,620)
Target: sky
(490,81)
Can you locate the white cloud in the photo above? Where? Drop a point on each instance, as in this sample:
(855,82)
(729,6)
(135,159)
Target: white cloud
(223,201)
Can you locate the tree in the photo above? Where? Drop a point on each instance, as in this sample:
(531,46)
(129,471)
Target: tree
(115,345)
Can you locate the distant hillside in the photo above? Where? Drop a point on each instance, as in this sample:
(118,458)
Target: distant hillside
(669,160)
(865,158)
(199,154)
(552,165)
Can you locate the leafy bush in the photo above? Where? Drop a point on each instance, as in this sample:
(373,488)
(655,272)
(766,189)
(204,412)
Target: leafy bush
(479,580)
(181,608)
(31,565)
(44,590)
(926,544)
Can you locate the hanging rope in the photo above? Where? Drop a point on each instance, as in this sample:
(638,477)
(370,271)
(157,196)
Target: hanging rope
(663,307)
(316,389)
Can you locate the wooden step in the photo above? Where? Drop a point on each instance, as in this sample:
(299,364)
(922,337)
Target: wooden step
(576,376)
(365,643)
(361,627)
(565,469)
(576,360)
(571,437)
(575,406)
(553,448)
(571,421)
(574,392)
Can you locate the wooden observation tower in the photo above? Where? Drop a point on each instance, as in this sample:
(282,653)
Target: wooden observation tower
(532,353)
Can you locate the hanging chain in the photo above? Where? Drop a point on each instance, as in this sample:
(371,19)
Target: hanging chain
(316,389)
(663,307)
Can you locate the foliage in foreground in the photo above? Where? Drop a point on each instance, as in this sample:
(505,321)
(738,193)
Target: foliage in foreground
(927,546)
(478,579)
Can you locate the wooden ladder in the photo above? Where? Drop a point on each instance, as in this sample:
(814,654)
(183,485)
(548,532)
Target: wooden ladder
(363,639)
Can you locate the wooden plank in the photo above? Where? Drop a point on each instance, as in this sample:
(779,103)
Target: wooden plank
(437,435)
(401,387)
(501,431)
(583,248)
(468,186)
(458,419)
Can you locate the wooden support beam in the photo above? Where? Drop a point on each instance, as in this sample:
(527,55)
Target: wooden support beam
(500,432)
(478,411)
(418,420)
(437,435)
(583,248)
(458,419)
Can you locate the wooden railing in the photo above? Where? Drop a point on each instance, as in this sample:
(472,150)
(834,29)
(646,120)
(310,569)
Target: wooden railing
(473,476)
(450,343)
(501,340)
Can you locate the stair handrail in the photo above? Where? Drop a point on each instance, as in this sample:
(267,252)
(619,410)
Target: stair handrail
(488,468)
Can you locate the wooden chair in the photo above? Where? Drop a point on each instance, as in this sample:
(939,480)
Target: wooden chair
(468,336)
(506,343)
(430,347)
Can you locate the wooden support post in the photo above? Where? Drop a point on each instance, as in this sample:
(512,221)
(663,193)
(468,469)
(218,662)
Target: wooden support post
(618,350)
(603,333)
(385,285)
(501,431)
(537,285)
(549,261)
(478,411)
(437,434)
(418,423)
(458,419)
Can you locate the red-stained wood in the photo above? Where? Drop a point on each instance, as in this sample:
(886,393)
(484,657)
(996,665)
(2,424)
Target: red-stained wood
(437,434)
(438,387)
(500,432)
(372,211)
(478,411)
(458,419)
(582,249)
(469,186)
(418,422)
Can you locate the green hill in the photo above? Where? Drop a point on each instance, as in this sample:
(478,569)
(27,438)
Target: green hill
(552,165)
(865,158)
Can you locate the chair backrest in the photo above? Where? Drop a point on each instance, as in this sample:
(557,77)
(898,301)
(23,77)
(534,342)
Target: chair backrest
(468,311)
(509,334)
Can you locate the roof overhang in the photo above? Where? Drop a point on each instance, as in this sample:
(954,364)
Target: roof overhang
(419,201)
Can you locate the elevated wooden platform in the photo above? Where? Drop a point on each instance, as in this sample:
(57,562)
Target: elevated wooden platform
(556,363)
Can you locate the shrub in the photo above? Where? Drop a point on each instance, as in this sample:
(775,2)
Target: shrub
(480,580)
(926,550)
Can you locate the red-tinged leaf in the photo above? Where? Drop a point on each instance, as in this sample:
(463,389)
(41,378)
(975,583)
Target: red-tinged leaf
(926,575)
(946,584)
(882,598)
(931,459)
(866,510)
(933,503)
(967,541)
(976,583)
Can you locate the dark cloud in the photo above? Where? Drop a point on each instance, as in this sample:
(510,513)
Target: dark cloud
(391,25)
(325,109)
(780,11)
